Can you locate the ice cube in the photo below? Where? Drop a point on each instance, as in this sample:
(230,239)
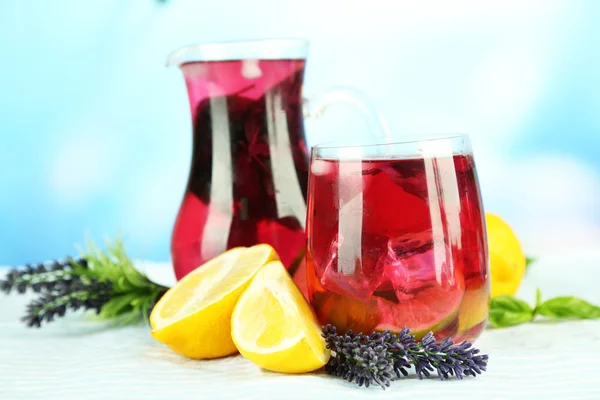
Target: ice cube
(415,262)
(351,267)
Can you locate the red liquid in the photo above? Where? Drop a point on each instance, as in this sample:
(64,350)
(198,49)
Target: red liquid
(248,177)
(394,243)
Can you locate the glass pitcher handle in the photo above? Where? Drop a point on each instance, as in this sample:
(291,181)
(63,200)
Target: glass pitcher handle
(315,107)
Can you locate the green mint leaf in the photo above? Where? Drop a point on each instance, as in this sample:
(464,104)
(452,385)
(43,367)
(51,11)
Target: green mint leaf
(528,262)
(538,300)
(506,311)
(568,307)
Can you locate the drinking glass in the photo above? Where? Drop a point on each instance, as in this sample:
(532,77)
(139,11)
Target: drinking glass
(396,238)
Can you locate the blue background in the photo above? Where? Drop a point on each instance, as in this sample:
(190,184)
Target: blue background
(96,135)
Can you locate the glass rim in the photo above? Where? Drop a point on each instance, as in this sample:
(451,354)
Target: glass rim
(412,140)
(229,50)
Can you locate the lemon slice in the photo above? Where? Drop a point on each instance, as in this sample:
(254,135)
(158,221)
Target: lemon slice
(474,308)
(194,317)
(273,326)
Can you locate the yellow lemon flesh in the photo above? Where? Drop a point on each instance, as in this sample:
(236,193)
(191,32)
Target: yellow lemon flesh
(274,327)
(474,308)
(507,260)
(194,317)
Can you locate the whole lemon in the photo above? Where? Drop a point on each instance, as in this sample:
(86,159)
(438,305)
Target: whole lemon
(507,260)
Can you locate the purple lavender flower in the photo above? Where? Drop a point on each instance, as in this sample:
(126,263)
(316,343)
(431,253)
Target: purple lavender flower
(382,357)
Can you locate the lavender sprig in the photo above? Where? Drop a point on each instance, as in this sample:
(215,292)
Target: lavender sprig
(104,281)
(383,357)
(78,295)
(446,359)
(42,277)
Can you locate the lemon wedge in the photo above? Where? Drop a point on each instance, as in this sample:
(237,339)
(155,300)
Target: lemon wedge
(194,317)
(273,326)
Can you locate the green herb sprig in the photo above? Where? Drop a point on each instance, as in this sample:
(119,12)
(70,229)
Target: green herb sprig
(102,281)
(507,310)
(528,261)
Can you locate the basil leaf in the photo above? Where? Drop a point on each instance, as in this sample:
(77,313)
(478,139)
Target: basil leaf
(506,310)
(512,304)
(568,307)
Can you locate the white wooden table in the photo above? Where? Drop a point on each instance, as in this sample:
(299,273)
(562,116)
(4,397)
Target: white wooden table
(78,359)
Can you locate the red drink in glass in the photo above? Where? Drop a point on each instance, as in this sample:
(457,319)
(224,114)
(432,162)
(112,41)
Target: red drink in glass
(397,239)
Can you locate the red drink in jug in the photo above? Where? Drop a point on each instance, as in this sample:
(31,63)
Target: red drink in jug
(249,167)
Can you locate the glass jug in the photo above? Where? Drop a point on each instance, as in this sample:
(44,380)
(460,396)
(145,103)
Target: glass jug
(249,169)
